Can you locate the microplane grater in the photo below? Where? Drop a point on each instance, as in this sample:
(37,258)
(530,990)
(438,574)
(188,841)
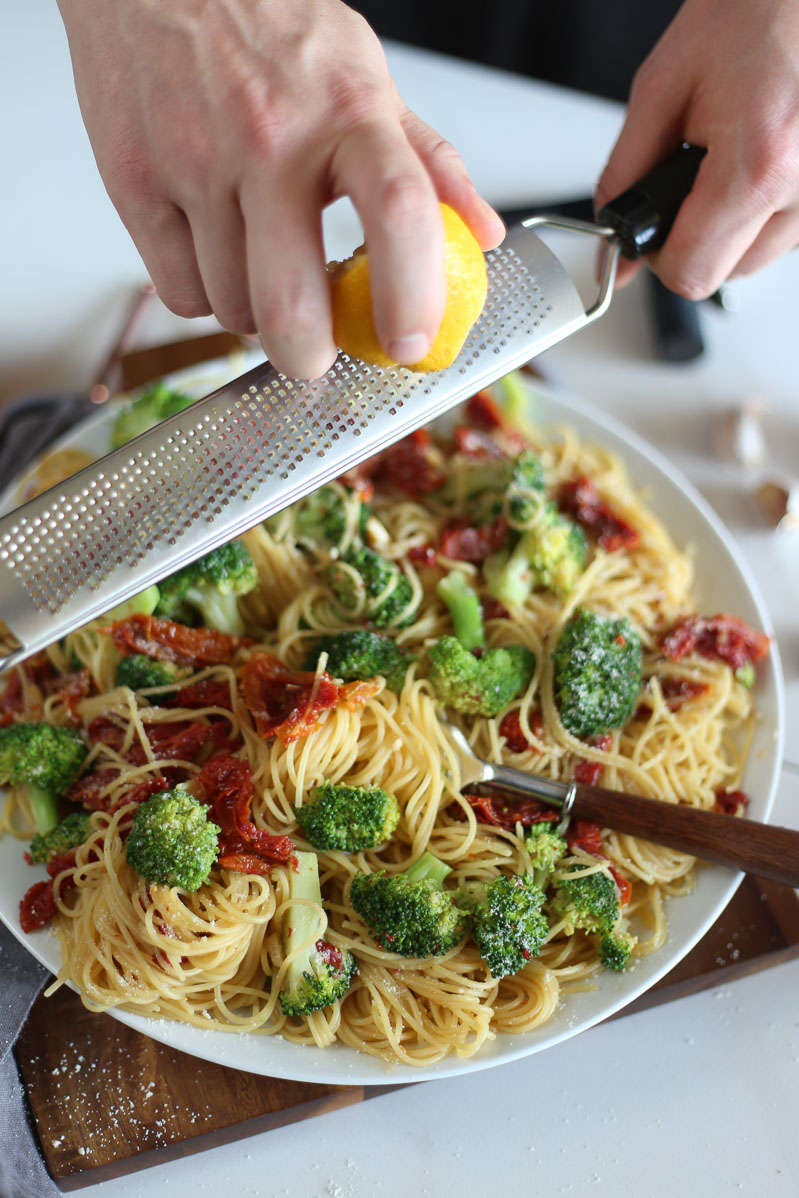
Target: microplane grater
(262,442)
(252,447)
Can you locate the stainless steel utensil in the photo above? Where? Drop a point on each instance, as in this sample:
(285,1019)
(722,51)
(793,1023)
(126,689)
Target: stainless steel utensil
(263,441)
(763,849)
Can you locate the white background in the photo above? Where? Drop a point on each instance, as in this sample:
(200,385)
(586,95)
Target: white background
(696,1097)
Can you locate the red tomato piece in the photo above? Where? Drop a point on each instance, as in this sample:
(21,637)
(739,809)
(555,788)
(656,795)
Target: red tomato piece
(285,703)
(468,543)
(166,640)
(225,784)
(511,728)
(721,638)
(581,500)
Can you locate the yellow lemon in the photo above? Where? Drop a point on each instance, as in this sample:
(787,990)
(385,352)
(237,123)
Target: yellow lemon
(467,284)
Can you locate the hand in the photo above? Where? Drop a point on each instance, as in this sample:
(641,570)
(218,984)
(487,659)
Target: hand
(725,75)
(222,128)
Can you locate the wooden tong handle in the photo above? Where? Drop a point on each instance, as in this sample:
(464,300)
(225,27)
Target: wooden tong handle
(762,849)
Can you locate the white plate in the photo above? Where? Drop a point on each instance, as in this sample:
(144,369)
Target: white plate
(723,583)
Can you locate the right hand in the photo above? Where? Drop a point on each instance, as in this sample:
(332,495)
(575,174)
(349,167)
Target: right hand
(222,128)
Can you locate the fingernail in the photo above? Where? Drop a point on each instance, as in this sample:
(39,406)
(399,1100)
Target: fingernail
(409,349)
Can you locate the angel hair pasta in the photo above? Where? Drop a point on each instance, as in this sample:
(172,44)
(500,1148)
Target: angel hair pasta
(273,834)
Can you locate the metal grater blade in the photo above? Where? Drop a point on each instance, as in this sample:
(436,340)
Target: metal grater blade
(246,451)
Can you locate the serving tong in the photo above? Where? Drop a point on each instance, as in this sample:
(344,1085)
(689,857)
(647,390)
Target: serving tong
(762,849)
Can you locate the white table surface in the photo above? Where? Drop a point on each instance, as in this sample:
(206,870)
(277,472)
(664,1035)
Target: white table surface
(695,1097)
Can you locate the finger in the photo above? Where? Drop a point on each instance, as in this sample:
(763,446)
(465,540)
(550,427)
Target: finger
(717,223)
(289,289)
(451,180)
(396,201)
(652,129)
(779,235)
(626,272)
(163,237)
(219,242)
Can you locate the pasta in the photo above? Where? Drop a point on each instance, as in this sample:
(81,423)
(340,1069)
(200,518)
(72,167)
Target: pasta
(215,957)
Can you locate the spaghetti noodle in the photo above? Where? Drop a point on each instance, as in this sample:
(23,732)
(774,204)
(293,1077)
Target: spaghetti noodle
(215,957)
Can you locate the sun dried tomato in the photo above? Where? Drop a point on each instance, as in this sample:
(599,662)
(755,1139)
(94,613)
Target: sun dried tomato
(166,640)
(589,772)
(225,784)
(731,802)
(483,411)
(585,835)
(178,740)
(581,500)
(721,638)
(208,692)
(11,700)
(504,813)
(37,906)
(285,703)
(465,542)
(510,727)
(409,467)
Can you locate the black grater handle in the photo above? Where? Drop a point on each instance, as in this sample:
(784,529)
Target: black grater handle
(642,216)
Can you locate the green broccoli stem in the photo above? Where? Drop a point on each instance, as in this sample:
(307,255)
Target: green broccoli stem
(44,807)
(143,604)
(428,866)
(514,398)
(509,575)
(219,609)
(465,609)
(304,919)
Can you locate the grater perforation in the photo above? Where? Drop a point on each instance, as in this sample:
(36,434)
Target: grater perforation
(261,442)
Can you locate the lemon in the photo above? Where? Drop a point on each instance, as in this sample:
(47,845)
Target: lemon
(467,284)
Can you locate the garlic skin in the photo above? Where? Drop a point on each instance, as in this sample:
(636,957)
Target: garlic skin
(740,435)
(779,501)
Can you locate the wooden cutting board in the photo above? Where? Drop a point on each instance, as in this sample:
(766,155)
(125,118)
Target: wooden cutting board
(107,1101)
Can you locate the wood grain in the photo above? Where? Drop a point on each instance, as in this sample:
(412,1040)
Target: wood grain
(762,849)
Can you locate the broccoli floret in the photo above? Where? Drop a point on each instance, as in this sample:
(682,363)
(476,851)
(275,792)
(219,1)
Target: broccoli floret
(410,913)
(332,518)
(550,553)
(140,672)
(463,674)
(615,948)
(507,922)
(348,818)
(525,488)
(210,588)
(43,760)
(148,409)
(465,609)
(587,899)
(172,840)
(597,673)
(68,834)
(360,653)
(546,849)
(374,587)
(318,973)
(478,685)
